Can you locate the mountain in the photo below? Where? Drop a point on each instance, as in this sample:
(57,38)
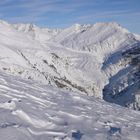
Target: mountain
(32,111)
(100,60)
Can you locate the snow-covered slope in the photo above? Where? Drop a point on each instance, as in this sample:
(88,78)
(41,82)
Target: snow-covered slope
(124,87)
(29,111)
(90,59)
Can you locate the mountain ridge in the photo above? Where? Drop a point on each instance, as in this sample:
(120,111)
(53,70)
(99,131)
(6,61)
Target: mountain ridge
(80,58)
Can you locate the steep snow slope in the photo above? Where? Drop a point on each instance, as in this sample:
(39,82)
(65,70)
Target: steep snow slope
(111,43)
(102,38)
(85,58)
(30,111)
(124,87)
(49,62)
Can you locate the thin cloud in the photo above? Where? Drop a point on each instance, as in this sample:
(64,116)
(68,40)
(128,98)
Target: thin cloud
(65,12)
(107,14)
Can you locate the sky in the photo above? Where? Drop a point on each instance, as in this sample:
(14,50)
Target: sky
(64,13)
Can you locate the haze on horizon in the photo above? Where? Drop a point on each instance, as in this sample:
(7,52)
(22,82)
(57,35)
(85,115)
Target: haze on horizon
(63,13)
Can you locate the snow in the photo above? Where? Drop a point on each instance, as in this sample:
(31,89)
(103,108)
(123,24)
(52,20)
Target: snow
(32,111)
(8,105)
(82,58)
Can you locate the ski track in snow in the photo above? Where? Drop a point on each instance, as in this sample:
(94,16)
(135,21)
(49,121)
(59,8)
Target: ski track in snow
(32,111)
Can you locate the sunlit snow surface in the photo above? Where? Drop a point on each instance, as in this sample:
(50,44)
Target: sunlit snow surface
(29,111)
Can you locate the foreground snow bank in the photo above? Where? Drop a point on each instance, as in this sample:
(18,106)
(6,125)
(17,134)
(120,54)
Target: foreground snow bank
(35,112)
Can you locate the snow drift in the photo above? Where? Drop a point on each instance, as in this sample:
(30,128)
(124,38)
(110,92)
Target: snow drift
(30,111)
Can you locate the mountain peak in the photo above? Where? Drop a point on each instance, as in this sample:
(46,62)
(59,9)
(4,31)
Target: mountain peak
(25,27)
(111,25)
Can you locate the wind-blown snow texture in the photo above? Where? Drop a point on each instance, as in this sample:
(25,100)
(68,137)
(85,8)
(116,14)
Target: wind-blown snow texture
(29,111)
(92,59)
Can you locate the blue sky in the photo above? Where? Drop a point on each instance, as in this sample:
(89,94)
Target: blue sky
(63,13)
